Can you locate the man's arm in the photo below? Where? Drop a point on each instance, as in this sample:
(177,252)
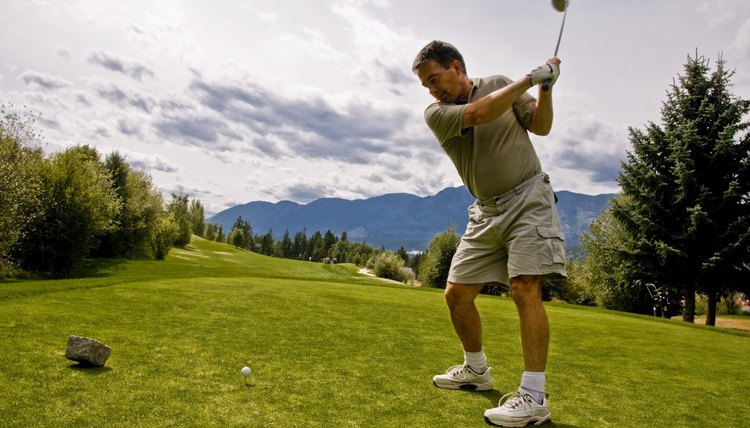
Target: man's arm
(493,105)
(541,119)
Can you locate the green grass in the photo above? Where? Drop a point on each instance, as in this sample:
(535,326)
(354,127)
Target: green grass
(329,347)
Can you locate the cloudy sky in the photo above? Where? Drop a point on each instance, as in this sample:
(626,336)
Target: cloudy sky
(234,101)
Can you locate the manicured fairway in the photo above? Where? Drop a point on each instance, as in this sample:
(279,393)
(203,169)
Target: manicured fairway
(330,347)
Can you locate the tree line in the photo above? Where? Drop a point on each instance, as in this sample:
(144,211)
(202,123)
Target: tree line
(56,211)
(326,247)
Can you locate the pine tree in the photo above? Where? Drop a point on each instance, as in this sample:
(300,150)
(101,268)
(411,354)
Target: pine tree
(688,190)
(286,246)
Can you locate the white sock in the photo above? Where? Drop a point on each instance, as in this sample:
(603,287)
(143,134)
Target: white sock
(533,383)
(476,360)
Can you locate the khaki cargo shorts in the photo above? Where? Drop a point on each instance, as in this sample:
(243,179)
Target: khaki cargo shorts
(517,233)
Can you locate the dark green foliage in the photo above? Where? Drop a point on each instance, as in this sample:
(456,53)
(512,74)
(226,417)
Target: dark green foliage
(55,212)
(316,246)
(433,271)
(686,184)
(284,248)
(197,217)
(165,233)
(329,240)
(179,208)
(142,207)
(80,206)
(401,252)
(299,246)
(241,235)
(21,163)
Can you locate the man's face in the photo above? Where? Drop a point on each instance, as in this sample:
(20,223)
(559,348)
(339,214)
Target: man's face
(443,83)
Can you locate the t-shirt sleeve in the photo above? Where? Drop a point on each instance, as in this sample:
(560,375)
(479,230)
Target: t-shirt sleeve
(445,121)
(524,108)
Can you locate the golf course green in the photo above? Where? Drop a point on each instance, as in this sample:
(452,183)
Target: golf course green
(330,347)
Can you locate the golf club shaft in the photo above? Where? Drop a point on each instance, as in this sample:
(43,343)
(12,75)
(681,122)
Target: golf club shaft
(546,83)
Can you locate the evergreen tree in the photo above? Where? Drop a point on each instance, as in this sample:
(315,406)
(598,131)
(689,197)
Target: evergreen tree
(179,210)
(401,252)
(329,240)
(285,246)
(687,184)
(267,243)
(299,247)
(210,232)
(236,238)
(197,216)
(315,246)
(241,235)
(220,234)
(142,205)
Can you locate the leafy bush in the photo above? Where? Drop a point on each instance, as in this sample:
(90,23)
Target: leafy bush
(80,206)
(436,262)
(21,162)
(388,265)
(165,234)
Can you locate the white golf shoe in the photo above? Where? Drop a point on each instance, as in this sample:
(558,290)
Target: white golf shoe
(518,409)
(463,377)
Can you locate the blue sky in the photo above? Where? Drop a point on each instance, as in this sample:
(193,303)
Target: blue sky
(235,101)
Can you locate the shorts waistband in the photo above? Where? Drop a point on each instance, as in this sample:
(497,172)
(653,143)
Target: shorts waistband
(499,199)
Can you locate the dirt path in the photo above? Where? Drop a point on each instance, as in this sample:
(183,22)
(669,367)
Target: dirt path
(733,323)
(365,271)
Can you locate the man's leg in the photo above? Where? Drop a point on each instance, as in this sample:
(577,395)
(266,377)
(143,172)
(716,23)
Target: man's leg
(527,294)
(529,405)
(474,373)
(464,314)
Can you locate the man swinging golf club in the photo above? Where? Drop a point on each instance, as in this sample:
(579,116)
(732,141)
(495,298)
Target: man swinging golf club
(513,235)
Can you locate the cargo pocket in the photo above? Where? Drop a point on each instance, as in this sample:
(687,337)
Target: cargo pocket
(554,250)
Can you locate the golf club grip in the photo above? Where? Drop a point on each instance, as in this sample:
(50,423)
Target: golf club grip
(546,84)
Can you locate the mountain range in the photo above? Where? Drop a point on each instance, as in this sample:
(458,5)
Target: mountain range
(395,220)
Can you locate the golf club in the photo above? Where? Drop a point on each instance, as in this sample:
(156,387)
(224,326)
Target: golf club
(560,6)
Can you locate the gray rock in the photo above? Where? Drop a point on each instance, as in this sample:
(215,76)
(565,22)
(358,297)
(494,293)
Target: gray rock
(87,351)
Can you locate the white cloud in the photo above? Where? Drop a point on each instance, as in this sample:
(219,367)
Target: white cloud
(130,67)
(44,81)
(297,100)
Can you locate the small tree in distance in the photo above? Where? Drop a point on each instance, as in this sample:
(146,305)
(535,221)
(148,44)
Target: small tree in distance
(436,262)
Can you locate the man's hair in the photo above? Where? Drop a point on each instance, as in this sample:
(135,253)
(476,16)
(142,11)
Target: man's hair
(441,52)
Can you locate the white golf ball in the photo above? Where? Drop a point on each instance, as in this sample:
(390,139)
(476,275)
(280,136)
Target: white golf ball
(246,371)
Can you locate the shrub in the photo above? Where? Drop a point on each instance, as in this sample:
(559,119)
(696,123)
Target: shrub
(388,265)
(165,233)
(433,271)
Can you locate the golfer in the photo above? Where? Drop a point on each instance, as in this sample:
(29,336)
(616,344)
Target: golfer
(513,235)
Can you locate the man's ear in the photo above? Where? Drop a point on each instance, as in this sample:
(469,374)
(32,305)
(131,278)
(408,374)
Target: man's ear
(456,65)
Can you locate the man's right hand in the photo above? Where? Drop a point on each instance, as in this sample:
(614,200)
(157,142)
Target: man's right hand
(544,72)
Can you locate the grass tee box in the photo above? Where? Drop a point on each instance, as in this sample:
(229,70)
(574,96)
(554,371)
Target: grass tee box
(330,347)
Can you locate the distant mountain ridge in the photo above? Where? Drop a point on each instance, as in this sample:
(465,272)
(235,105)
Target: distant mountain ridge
(397,219)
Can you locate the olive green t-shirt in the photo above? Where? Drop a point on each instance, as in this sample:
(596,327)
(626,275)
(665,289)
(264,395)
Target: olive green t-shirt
(492,158)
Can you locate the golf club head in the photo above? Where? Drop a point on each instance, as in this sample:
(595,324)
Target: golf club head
(560,5)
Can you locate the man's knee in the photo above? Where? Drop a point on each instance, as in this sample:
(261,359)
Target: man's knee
(458,294)
(526,288)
